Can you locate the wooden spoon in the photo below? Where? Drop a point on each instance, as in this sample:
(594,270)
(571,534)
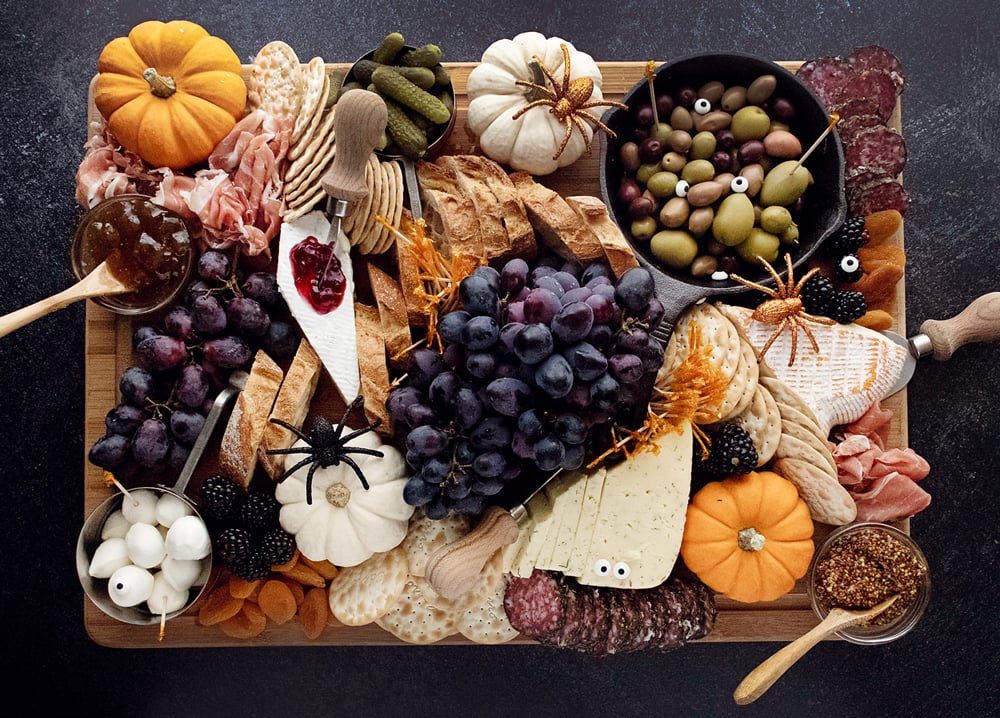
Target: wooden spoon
(99,283)
(767,673)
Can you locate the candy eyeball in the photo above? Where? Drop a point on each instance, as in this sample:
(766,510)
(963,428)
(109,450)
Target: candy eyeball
(602,567)
(621,570)
(739,184)
(849,263)
(702,106)
(681,190)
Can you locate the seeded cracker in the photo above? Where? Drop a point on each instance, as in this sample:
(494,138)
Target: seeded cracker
(418,616)
(276,84)
(488,623)
(762,420)
(360,594)
(426,536)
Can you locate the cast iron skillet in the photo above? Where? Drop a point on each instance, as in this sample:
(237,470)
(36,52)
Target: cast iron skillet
(825,206)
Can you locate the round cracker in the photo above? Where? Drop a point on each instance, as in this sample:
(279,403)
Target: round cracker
(828,501)
(316,87)
(762,420)
(358,210)
(276,84)
(396,206)
(717,332)
(791,447)
(360,594)
(310,177)
(380,209)
(370,230)
(425,536)
(362,217)
(784,394)
(819,447)
(313,151)
(389,204)
(488,623)
(303,204)
(741,388)
(418,616)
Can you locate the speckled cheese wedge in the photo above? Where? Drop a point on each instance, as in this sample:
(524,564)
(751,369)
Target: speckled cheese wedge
(332,335)
(853,368)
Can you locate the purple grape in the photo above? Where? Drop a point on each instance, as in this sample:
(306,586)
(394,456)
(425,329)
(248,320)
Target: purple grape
(513,276)
(465,452)
(632,341)
(185,425)
(124,419)
(602,307)
(471,505)
(262,286)
(453,356)
(450,325)
(191,386)
(509,396)
(178,323)
(515,311)
(652,315)
(573,322)
(570,428)
(457,490)
(493,432)
(400,399)
(150,443)
(207,315)
(600,280)
(281,340)
(143,332)
(480,332)
(635,289)
(533,343)
(540,306)
(489,464)
(197,288)
(601,336)
(554,376)
(508,333)
(481,365)
(505,368)
(579,395)
(549,453)
(652,355)
(542,270)
(604,392)
(572,457)
(625,368)
(491,275)
(579,294)
(213,266)
(426,440)
(467,407)
(227,352)
(425,364)
(592,271)
(488,487)
(417,492)
(178,455)
(566,280)
(479,297)
(530,423)
(437,508)
(161,352)
(435,470)
(523,445)
(109,452)
(586,360)
(573,267)
(442,390)
(421,414)
(248,317)
(550,283)
(136,385)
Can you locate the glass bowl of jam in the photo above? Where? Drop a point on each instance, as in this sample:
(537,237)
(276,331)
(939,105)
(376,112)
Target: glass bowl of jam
(863,564)
(145,245)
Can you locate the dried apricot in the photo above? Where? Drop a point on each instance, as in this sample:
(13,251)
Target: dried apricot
(282,567)
(296,588)
(876,319)
(871,257)
(241,588)
(882,225)
(324,568)
(277,601)
(305,575)
(879,285)
(219,606)
(314,612)
(248,623)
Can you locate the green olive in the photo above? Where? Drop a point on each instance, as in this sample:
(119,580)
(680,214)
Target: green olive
(646,171)
(675,248)
(703,145)
(661,132)
(662,184)
(784,184)
(629,154)
(643,229)
(704,266)
(791,234)
(698,171)
(733,220)
(759,245)
(775,219)
(673,162)
(750,123)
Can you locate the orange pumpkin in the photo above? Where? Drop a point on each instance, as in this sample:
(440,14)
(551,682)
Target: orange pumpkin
(748,537)
(170,92)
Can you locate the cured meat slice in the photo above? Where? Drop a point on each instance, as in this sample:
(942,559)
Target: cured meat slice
(891,498)
(856,107)
(878,148)
(851,125)
(825,76)
(878,195)
(874,57)
(660,618)
(872,84)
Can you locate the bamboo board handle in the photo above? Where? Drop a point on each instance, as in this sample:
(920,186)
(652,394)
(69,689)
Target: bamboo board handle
(454,568)
(978,322)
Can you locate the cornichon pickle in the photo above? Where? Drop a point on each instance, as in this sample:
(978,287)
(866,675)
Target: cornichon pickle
(336,81)
(424,56)
(391,84)
(441,74)
(422,77)
(411,140)
(390,47)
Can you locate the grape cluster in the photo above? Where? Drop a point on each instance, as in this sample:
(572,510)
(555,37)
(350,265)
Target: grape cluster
(531,362)
(185,361)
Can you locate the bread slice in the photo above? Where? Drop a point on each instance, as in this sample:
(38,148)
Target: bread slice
(473,184)
(594,212)
(520,233)
(555,223)
(291,406)
(392,313)
(245,429)
(374,369)
(409,275)
(450,215)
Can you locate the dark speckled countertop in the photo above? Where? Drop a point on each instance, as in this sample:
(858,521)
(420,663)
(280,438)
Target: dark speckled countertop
(951,120)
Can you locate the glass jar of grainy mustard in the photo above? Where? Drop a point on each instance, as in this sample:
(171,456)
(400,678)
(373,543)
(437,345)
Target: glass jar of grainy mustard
(863,564)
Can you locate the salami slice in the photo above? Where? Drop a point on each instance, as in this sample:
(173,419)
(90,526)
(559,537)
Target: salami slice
(878,195)
(874,57)
(850,126)
(549,610)
(872,84)
(856,107)
(877,147)
(825,76)
(859,177)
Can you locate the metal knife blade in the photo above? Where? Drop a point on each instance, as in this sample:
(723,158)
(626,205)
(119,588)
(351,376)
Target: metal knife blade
(916,347)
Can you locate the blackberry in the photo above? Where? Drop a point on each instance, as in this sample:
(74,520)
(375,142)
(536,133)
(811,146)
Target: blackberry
(234,545)
(848,306)
(847,239)
(251,567)
(277,546)
(260,511)
(221,498)
(848,269)
(732,452)
(817,294)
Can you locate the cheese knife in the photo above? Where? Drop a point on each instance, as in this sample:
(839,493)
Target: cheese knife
(978,322)
(454,568)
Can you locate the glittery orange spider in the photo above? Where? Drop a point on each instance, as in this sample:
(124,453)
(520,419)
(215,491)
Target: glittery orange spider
(568,102)
(784,308)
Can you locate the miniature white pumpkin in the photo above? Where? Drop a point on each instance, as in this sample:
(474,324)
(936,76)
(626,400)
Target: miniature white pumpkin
(346,523)
(529,142)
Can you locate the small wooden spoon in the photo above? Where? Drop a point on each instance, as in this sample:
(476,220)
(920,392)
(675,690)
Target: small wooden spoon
(767,673)
(99,283)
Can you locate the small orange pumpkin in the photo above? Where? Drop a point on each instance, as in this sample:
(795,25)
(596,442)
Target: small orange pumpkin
(748,537)
(170,92)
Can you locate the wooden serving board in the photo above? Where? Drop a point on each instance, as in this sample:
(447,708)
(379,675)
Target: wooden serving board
(108,352)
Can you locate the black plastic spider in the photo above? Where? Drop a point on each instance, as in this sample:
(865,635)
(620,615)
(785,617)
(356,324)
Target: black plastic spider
(327,447)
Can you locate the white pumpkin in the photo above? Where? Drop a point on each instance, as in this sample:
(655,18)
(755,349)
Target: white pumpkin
(346,523)
(529,142)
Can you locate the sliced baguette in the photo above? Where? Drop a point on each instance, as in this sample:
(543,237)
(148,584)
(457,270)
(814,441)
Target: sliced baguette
(617,250)
(450,215)
(392,313)
(555,223)
(291,406)
(374,369)
(245,429)
(409,275)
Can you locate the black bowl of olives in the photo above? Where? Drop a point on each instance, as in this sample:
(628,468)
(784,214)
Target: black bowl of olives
(709,179)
